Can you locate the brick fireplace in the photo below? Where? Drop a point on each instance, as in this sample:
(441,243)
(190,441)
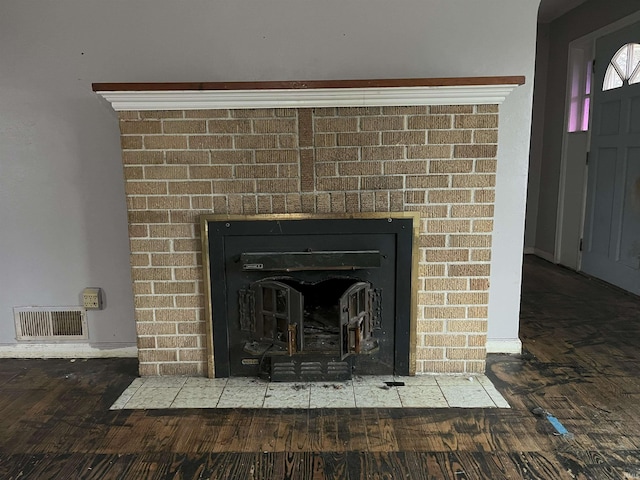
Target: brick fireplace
(419,145)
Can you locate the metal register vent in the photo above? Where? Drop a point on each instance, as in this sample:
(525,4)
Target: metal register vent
(50,323)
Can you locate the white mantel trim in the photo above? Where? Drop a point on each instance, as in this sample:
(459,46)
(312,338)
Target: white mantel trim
(307,98)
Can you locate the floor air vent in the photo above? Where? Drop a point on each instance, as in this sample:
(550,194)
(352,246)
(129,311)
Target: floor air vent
(50,323)
(297,370)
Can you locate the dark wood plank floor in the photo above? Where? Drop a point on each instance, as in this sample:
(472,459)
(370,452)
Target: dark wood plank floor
(581,363)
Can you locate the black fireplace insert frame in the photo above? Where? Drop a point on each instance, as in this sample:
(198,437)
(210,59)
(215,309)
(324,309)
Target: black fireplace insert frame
(216,230)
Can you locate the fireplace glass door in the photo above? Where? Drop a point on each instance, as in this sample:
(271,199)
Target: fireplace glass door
(278,307)
(278,316)
(356,320)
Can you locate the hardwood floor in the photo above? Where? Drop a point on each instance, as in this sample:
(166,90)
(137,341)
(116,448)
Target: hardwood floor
(581,363)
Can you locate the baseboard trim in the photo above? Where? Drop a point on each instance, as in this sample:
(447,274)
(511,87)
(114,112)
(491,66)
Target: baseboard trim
(504,345)
(549,257)
(529,251)
(61,350)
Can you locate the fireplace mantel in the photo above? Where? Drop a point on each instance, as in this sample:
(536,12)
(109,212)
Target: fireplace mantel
(311,148)
(308,94)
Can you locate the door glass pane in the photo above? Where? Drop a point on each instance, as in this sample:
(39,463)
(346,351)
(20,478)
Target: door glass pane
(573,115)
(282,329)
(281,301)
(362,305)
(635,57)
(267,299)
(353,304)
(611,79)
(625,65)
(268,322)
(585,114)
(620,59)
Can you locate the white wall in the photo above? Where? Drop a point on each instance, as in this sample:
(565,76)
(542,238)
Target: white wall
(537,131)
(61,192)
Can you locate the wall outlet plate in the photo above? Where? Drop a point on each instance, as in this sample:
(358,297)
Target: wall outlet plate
(92,298)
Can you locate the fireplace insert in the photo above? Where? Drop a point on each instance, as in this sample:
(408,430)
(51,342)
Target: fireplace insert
(310,298)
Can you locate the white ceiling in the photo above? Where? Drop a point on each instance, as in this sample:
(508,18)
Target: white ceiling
(552,9)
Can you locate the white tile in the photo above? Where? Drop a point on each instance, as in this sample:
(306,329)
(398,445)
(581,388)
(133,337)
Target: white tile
(371,396)
(334,385)
(496,396)
(462,380)
(153,397)
(205,382)
(122,400)
(422,396)
(154,382)
(426,391)
(137,382)
(285,385)
(372,379)
(287,396)
(467,396)
(484,380)
(119,403)
(242,396)
(417,380)
(246,382)
(197,397)
(328,395)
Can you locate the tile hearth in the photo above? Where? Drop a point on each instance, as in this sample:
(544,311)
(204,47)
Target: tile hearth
(424,391)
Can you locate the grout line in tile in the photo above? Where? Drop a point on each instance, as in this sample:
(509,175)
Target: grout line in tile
(443,395)
(493,392)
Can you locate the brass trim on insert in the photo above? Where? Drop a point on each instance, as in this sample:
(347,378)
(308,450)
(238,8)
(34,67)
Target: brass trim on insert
(206,257)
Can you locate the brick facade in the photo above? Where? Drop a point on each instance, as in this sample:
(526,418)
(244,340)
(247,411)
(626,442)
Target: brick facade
(438,160)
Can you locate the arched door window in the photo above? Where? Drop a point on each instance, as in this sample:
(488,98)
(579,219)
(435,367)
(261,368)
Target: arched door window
(623,67)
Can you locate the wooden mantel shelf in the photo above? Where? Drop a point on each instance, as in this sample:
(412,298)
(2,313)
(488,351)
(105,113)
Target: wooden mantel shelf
(305,94)
(311,84)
